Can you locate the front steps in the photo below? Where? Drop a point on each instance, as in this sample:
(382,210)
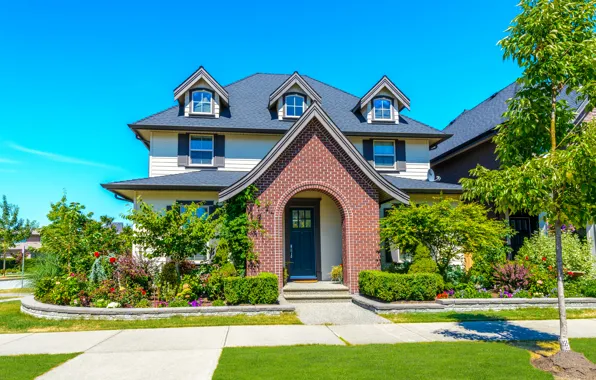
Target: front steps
(316,292)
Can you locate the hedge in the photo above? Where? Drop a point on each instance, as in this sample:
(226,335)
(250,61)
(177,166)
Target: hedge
(261,289)
(391,287)
(11,263)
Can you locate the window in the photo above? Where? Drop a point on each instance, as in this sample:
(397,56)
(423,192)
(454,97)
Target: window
(384,152)
(201,150)
(382,109)
(294,105)
(201,101)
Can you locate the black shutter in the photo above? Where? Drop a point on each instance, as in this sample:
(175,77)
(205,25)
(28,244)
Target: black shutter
(183,148)
(367,151)
(400,155)
(219,151)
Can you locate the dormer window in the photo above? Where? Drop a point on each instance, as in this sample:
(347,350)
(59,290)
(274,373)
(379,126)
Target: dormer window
(202,102)
(294,105)
(382,108)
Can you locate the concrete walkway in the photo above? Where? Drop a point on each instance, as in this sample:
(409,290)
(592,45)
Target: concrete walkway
(336,313)
(174,353)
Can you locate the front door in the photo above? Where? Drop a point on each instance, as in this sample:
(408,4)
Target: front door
(302,243)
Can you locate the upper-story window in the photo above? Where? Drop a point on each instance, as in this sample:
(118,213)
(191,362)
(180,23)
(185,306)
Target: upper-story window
(384,152)
(201,150)
(202,102)
(294,105)
(382,108)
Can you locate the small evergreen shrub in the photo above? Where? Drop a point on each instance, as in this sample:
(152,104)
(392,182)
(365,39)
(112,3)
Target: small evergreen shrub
(422,261)
(215,283)
(391,287)
(261,289)
(589,288)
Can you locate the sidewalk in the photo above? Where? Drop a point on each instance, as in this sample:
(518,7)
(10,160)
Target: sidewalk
(174,353)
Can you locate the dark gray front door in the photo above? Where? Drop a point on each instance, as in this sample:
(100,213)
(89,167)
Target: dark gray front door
(302,243)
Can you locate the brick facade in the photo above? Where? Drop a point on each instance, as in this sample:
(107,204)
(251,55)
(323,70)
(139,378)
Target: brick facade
(315,161)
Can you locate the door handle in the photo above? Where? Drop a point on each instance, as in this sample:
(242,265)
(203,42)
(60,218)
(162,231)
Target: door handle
(291,256)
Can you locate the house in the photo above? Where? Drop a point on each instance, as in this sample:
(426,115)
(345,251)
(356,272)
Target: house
(326,163)
(472,144)
(33,241)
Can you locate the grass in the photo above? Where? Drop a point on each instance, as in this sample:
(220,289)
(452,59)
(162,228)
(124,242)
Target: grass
(439,360)
(586,346)
(17,290)
(530,313)
(13,321)
(25,367)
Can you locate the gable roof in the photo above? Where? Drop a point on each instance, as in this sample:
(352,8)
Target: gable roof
(294,79)
(315,110)
(248,112)
(479,123)
(384,82)
(201,73)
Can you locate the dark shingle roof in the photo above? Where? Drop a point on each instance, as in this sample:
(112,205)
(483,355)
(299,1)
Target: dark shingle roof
(199,180)
(248,111)
(419,186)
(482,119)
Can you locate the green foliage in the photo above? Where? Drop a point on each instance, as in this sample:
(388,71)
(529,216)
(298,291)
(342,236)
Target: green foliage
(175,233)
(422,262)
(61,290)
(470,290)
(74,235)
(98,273)
(401,268)
(589,288)
(197,284)
(447,228)
(260,289)
(395,287)
(237,225)
(178,303)
(218,303)
(577,255)
(484,263)
(215,284)
(12,228)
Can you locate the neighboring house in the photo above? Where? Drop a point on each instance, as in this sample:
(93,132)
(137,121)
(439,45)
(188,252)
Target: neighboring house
(472,144)
(325,162)
(33,241)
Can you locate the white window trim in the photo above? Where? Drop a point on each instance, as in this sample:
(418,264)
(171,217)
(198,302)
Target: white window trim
(391,111)
(190,150)
(192,111)
(394,167)
(286,105)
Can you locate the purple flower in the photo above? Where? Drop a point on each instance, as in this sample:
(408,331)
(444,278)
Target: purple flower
(196,303)
(451,292)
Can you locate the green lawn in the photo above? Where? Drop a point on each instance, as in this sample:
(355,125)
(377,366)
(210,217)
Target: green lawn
(465,360)
(13,321)
(28,367)
(586,346)
(491,315)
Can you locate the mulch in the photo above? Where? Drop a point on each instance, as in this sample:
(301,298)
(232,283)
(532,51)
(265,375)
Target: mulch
(567,365)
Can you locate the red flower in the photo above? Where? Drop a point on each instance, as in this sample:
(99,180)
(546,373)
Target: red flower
(143,292)
(543,258)
(112,260)
(96,254)
(112,290)
(570,273)
(527,258)
(550,267)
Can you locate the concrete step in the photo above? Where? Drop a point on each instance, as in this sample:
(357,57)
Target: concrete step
(316,298)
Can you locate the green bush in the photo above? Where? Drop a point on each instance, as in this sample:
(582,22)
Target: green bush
(470,290)
(215,283)
(178,303)
(261,289)
(589,289)
(422,262)
(395,287)
(13,264)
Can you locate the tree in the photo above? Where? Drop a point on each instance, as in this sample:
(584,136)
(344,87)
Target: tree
(12,229)
(547,160)
(73,235)
(176,233)
(447,228)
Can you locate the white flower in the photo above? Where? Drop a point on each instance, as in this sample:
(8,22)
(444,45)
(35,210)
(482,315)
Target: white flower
(113,305)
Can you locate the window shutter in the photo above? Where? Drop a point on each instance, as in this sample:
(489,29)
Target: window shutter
(219,151)
(400,155)
(183,148)
(367,150)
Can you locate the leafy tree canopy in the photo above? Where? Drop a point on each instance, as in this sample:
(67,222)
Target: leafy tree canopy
(12,228)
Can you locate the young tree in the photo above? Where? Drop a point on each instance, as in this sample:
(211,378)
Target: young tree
(12,228)
(446,229)
(547,160)
(176,233)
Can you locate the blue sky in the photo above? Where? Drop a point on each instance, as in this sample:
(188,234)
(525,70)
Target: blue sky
(73,74)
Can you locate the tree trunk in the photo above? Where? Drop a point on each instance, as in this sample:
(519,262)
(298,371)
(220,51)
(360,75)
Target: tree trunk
(563,340)
(4,264)
(510,253)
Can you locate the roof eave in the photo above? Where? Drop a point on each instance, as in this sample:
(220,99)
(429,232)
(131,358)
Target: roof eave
(196,76)
(295,78)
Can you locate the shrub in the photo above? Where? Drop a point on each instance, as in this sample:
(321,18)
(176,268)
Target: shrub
(337,273)
(178,303)
(196,284)
(422,261)
(470,290)
(261,289)
(215,283)
(511,277)
(589,288)
(218,303)
(394,287)
(401,268)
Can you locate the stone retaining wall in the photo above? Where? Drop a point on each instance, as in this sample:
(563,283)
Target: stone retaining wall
(475,304)
(41,310)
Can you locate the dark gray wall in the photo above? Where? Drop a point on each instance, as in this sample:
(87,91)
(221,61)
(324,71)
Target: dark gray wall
(459,166)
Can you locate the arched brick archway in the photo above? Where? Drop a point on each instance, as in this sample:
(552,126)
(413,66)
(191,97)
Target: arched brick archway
(314,161)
